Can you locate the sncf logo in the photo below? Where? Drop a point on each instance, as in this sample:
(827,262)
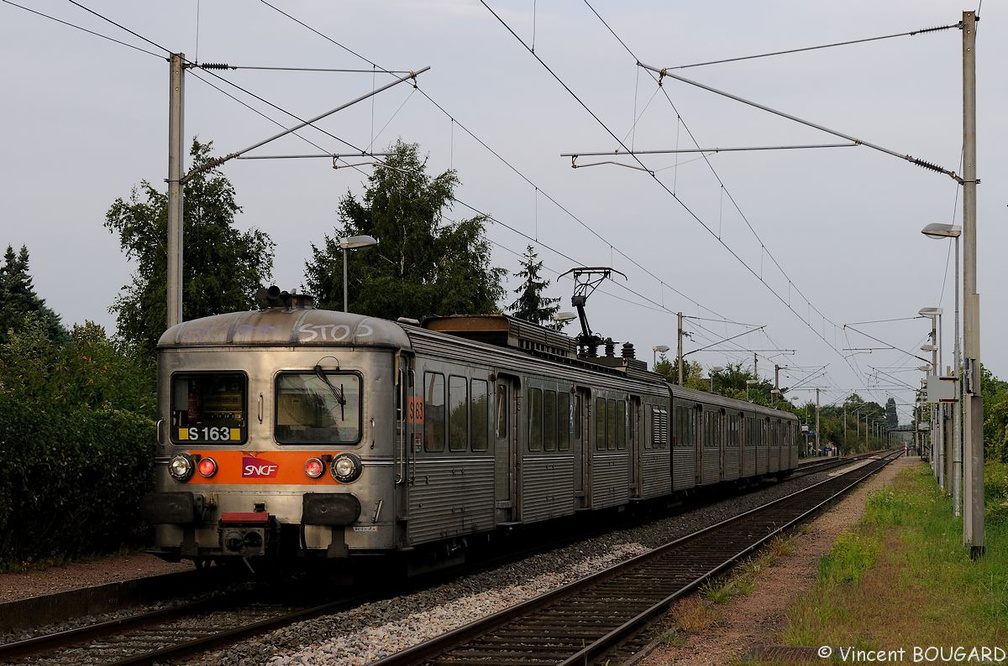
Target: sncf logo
(257,468)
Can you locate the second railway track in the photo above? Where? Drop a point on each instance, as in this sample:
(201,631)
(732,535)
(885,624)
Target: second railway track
(597,620)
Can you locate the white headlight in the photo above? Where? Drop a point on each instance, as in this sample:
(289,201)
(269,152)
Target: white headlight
(346,467)
(181,467)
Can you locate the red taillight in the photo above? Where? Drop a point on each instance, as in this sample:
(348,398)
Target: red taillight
(314,468)
(207,467)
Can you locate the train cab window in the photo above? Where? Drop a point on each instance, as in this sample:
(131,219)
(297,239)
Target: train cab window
(480,409)
(434,412)
(458,413)
(549,420)
(209,408)
(318,407)
(565,418)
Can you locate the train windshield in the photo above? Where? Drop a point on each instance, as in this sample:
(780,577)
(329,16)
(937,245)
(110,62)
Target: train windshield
(209,408)
(318,408)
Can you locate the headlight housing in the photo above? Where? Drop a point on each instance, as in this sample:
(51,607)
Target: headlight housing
(181,467)
(346,468)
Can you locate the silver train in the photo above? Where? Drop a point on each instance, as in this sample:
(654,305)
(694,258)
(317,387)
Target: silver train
(299,434)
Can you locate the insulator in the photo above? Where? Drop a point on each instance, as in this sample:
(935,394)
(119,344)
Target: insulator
(928,165)
(936,28)
(216,65)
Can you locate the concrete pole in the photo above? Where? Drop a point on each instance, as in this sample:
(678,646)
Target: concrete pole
(973,400)
(175,203)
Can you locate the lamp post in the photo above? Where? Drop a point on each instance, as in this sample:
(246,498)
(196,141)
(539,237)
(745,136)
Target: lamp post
(715,369)
(748,383)
(657,349)
(353,243)
(940,231)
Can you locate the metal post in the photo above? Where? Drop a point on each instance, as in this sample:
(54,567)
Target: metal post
(973,402)
(937,448)
(957,440)
(817,446)
(175,202)
(344,280)
(680,351)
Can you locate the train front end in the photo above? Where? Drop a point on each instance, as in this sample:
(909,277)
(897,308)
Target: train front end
(277,437)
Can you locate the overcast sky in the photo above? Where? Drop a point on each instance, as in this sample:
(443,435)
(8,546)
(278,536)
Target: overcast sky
(821,246)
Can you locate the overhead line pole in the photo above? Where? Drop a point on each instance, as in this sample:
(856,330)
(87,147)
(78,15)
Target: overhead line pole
(973,400)
(175,198)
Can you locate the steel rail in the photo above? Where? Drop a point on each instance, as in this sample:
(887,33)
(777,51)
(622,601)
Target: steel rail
(440,649)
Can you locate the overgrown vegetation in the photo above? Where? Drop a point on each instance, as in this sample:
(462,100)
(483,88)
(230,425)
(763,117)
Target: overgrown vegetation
(902,577)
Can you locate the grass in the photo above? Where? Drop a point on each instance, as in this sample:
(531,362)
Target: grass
(902,577)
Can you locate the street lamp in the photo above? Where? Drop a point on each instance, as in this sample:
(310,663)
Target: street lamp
(353,243)
(941,231)
(714,370)
(658,349)
(748,383)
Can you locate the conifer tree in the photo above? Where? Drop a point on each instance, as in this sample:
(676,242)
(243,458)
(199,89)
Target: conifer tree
(531,305)
(19,300)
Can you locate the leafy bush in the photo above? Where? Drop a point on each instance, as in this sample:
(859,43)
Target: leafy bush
(75,444)
(996,491)
(70,480)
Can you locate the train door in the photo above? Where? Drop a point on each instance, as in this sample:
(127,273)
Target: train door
(581,446)
(505,449)
(409,420)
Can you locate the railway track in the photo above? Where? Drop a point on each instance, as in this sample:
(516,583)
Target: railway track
(598,619)
(170,634)
(184,630)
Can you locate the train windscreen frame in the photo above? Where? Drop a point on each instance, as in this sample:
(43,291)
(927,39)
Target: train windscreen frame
(209,408)
(321,407)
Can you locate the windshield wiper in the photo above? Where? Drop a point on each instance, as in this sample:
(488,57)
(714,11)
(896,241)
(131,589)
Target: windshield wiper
(338,394)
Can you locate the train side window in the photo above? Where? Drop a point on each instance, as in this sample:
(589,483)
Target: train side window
(600,424)
(434,412)
(621,417)
(209,408)
(549,420)
(611,418)
(565,416)
(458,413)
(576,416)
(480,408)
(683,431)
(318,408)
(535,419)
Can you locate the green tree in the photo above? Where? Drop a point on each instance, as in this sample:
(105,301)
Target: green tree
(222,266)
(995,430)
(531,305)
(420,267)
(18,299)
(891,417)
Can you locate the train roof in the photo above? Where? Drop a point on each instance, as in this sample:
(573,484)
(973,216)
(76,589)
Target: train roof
(286,326)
